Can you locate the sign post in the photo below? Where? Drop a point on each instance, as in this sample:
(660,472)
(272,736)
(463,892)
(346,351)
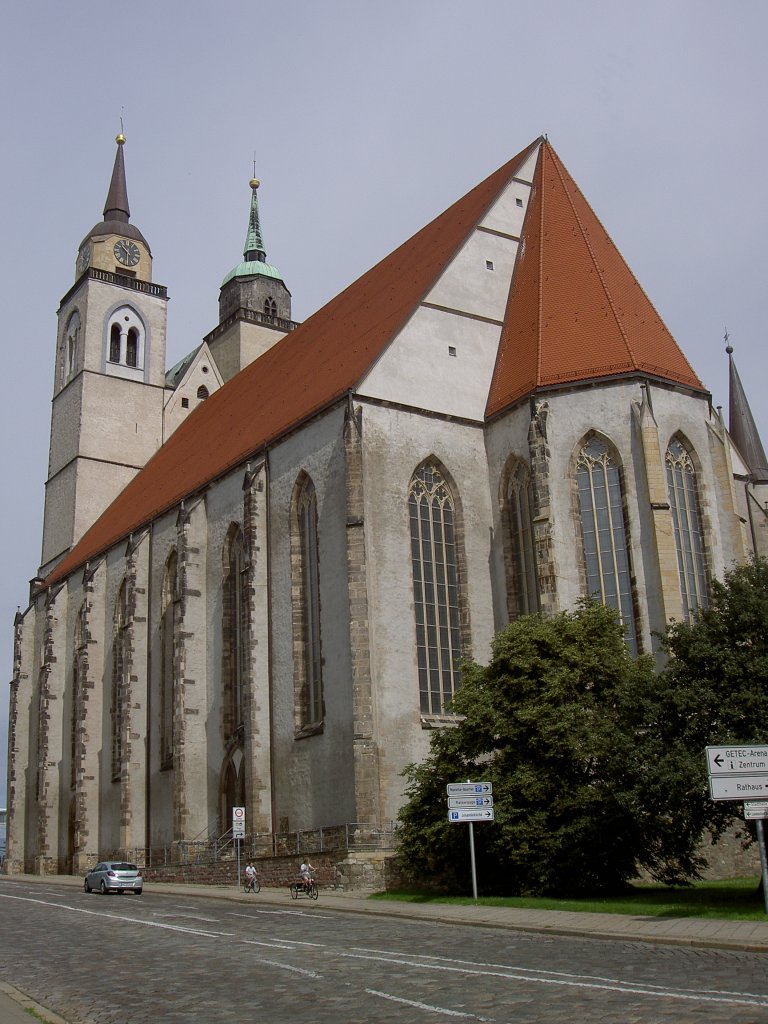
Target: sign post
(470,802)
(741,773)
(238,834)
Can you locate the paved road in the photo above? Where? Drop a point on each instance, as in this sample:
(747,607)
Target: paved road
(168,958)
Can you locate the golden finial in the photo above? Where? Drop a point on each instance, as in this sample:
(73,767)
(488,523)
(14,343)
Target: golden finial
(120,139)
(255,183)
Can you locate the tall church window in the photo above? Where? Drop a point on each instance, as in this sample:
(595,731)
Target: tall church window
(114,343)
(686,520)
(120,657)
(169,624)
(236,629)
(72,346)
(606,549)
(308,662)
(434,565)
(522,583)
(78,673)
(132,347)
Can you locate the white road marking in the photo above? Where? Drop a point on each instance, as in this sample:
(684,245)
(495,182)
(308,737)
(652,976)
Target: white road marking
(271,945)
(191,917)
(122,917)
(424,1006)
(517,974)
(559,974)
(288,967)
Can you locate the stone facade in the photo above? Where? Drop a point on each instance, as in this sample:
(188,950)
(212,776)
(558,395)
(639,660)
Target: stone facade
(228,652)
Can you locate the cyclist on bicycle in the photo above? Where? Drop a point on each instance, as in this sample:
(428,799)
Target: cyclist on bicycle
(250,876)
(306,871)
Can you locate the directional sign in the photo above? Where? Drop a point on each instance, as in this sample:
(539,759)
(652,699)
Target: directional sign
(470,801)
(749,759)
(469,788)
(476,814)
(755,810)
(738,787)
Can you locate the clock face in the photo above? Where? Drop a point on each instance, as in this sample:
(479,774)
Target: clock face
(126,253)
(84,258)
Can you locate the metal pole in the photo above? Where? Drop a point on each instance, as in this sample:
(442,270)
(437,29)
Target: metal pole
(763,861)
(472,855)
(237,880)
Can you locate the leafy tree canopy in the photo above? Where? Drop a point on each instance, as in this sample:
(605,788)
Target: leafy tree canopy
(597,761)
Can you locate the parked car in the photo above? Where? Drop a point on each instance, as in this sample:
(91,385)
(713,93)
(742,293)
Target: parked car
(114,876)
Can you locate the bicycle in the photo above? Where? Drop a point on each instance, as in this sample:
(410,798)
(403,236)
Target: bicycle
(251,885)
(304,887)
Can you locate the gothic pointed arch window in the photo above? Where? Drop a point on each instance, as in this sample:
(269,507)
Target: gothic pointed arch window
(270,307)
(169,627)
(305,594)
(78,681)
(517,524)
(235,630)
(436,595)
(686,520)
(120,668)
(604,534)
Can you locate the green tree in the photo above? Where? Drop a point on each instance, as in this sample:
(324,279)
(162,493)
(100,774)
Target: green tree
(597,761)
(715,687)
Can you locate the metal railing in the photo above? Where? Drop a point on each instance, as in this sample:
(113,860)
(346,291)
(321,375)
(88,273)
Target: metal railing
(351,836)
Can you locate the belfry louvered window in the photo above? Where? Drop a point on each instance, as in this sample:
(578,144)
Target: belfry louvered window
(686,520)
(606,551)
(435,588)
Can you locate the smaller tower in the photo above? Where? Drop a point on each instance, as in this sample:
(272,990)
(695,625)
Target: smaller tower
(254,304)
(109,378)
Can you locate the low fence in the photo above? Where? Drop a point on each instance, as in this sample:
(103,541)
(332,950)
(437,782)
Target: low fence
(357,837)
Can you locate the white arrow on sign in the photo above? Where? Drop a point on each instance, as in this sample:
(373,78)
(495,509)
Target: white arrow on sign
(476,814)
(738,787)
(470,801)
(469,788)
(748,759)
(755,810)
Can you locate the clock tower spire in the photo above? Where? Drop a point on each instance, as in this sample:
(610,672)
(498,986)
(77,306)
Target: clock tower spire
(109,379)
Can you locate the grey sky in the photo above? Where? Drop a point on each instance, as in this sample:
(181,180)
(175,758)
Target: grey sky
(366,120)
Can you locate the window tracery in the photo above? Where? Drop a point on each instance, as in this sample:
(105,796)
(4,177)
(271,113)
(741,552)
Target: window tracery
(689,535)
(308,672)
(435,571)
(605,541)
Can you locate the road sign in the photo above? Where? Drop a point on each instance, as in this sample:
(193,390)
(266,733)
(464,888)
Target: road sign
(469,788)
(238,822)
(756,810)
(749,759)
(738,787)
(470,801)
(475,814)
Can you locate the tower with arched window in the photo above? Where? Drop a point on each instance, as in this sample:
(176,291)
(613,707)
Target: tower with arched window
(108,396)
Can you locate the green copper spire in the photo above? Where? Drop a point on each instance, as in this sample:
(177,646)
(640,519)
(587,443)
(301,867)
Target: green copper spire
(254,246)
(255,256)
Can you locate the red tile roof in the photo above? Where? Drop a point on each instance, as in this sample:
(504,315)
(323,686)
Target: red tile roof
(304,373)
(575,310)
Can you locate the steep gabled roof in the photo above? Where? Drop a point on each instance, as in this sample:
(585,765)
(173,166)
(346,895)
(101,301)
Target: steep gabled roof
(307,371)
(575,310)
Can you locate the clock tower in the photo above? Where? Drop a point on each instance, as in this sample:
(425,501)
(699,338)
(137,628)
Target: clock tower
(109,380)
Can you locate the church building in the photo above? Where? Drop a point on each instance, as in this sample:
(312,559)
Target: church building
(262,568)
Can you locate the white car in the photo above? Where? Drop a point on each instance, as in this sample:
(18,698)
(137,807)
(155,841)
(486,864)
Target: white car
(114,876)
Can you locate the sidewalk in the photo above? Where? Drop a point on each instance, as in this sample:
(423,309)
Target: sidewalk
(746,936)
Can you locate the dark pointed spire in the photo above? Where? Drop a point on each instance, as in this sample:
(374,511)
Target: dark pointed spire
(116,207)
(254,246)
(741,423)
